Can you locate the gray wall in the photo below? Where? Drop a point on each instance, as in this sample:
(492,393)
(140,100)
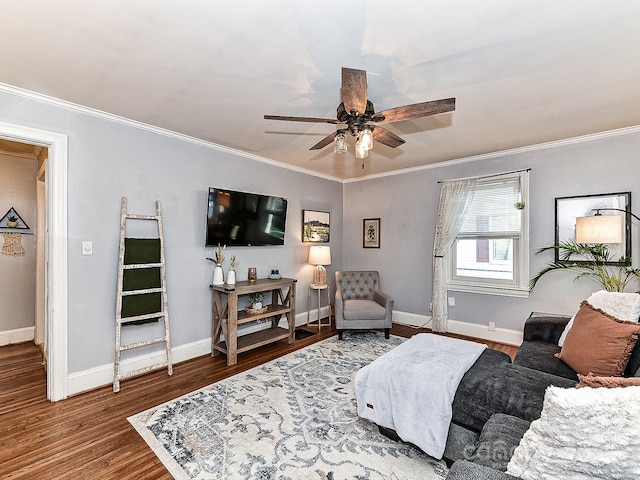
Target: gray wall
(18,272)
(407,206)
(109,160)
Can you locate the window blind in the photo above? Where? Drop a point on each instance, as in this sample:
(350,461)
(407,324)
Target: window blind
(492,213)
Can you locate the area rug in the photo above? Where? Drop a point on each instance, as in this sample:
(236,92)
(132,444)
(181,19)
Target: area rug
(293,418)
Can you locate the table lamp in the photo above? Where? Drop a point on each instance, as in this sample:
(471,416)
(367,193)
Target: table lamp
(320,256)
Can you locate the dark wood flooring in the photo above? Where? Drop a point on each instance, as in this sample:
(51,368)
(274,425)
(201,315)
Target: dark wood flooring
(87,436)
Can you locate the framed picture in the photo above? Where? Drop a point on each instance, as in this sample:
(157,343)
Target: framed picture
(315,226)
(570,208)
(371,233)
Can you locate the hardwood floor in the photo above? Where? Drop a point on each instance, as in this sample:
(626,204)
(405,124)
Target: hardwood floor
(87,435)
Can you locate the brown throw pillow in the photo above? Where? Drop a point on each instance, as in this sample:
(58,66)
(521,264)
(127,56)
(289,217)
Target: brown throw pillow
(598,343)
(594,381)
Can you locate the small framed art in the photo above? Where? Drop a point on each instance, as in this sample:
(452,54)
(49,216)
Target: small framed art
(371,233)
(315,226)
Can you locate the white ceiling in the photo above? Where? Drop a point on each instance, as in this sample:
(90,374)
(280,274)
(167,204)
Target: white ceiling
(523,72)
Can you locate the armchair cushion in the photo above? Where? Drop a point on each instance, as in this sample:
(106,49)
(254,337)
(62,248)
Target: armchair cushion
(357,284)
(363,309)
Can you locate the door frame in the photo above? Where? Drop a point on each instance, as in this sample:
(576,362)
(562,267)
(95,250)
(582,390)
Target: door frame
(56,270)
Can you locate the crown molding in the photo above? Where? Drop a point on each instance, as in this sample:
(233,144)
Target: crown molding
(38,97)
(57,102)
(501,153)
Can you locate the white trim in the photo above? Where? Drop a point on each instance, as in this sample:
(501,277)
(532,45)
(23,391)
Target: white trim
(475,330)
(502,335)
(313,315)
(502,153)
(38,97)
(488,289)
(102,375)
(17,335)
(57,275)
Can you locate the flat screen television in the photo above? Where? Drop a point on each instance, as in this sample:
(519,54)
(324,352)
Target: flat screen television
(244,219)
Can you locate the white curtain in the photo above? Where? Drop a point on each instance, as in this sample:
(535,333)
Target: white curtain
(455,198)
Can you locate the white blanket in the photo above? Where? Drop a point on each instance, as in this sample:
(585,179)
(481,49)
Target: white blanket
(411,388)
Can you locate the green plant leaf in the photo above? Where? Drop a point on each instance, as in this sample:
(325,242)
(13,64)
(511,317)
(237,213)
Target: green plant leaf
(595,264)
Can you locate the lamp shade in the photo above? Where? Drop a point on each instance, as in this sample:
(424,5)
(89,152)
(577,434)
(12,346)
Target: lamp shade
(599,229)
(320,255)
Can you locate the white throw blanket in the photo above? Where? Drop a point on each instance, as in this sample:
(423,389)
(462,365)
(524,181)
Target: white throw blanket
(411,388)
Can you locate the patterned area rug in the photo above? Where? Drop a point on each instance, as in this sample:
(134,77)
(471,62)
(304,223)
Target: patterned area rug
(290,419)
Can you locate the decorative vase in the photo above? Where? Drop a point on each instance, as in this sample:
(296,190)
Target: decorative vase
(218,276)
(252,274)
(257,306)
(231,277)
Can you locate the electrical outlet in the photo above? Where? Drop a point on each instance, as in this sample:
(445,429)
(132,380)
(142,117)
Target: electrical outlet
(492,326)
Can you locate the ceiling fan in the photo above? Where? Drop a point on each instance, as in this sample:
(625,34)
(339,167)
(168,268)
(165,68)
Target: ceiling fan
(356,115)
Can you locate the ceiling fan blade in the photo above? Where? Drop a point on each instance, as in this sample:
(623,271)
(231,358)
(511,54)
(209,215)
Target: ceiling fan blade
(324,142)
(386,137)
(301,119)
(354,90)
(416,110)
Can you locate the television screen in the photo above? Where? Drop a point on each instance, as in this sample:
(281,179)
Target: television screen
(244,219)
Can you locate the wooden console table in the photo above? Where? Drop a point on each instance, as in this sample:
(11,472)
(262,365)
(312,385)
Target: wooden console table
(226,317)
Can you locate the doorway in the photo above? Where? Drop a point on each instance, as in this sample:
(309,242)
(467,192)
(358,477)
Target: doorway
(22,292)
(55,251)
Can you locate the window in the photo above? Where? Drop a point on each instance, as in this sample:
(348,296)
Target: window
(491,252)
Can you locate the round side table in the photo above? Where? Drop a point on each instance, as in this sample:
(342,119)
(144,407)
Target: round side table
(319,288)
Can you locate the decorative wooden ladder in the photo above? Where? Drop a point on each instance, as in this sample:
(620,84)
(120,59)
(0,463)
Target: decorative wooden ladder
(142,290)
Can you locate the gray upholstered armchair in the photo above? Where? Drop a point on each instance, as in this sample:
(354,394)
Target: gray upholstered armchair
(360,304)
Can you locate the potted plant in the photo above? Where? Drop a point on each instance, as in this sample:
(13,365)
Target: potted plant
(595,264)
(231,276)
(218,258)
(255,299)
(12,221)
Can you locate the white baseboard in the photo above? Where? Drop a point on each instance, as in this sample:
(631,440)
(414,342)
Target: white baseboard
(301,318)
(502,335)
(103,375)
(18,335)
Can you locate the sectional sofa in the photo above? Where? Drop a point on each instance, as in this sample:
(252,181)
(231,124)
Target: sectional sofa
(497,400)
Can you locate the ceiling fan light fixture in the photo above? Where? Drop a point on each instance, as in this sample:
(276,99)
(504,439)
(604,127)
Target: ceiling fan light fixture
(361,151)
(357,116)
(340,143)
(366,138)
